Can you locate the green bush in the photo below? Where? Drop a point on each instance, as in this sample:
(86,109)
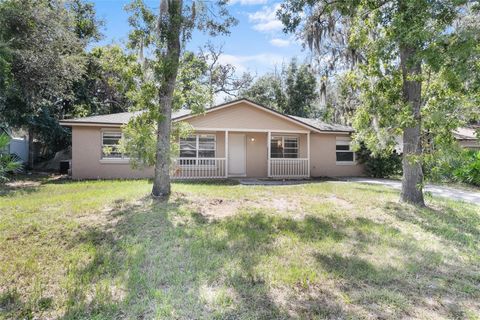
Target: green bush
(469,172)
(381,166)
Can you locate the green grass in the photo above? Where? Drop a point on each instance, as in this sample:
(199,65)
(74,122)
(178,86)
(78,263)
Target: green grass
(105,250)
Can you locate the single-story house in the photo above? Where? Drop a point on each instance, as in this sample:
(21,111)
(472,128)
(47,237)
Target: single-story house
(235,139)
(467,137)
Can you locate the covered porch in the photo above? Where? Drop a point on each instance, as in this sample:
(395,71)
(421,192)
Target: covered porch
(216,154)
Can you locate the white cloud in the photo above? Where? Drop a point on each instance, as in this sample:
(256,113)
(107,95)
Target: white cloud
(265,20)
(248,2)
(244,63)
(279,42)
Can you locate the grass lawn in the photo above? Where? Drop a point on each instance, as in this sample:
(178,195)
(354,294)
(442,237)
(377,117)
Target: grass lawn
(105,250)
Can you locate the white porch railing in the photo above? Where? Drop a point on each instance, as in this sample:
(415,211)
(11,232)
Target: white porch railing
(289,168)
(198,168)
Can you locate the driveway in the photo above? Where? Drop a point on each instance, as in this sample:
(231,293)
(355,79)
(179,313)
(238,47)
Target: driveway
(436,190)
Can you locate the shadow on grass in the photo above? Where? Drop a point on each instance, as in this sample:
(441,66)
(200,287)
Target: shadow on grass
(460,227)
(165,261)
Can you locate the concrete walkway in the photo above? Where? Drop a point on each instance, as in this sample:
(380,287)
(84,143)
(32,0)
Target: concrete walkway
(435,190)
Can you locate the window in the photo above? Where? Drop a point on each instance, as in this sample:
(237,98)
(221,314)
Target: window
(284,147)
(344,153)
(110,145)
(197,146)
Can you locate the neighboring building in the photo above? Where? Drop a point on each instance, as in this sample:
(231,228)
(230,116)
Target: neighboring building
(235,139)
(18,145)
(467,138)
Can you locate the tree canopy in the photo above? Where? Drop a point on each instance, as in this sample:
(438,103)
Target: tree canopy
(414,63)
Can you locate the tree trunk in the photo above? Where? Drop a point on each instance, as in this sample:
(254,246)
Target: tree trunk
(170,61)
(412,180)
(31,149)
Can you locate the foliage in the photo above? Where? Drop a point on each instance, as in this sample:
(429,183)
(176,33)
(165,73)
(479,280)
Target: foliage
(8,162)
(382,165)
(41,57)
(470,171)
(111,74)
(166,35)
(414,63)
(293,90)
(454,164)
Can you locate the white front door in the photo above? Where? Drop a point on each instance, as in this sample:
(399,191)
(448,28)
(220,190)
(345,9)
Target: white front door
(236,154)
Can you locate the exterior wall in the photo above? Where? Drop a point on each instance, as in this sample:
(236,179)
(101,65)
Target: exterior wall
(469,144)
(323,158)
(86,158)
(243,116)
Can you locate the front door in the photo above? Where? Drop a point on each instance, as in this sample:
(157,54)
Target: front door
(236,154)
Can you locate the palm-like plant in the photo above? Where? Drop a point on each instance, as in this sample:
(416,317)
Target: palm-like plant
(8,162)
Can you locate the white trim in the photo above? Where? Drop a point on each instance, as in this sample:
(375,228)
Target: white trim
(342,141)
(114,161)
(346,163)
(226,153)
(197,145)
(282,137)
(111,159)
(246,130)
(93,124)
(308,152)
(269,141)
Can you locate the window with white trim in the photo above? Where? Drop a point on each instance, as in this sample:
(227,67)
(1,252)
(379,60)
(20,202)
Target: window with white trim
(344,152)
(197,146)
(284,147)
(111,145)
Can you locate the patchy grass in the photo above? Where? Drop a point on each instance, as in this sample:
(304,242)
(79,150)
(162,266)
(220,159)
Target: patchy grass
(104,250)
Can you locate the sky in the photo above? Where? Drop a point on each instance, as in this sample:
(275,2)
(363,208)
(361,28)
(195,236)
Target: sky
(257,44)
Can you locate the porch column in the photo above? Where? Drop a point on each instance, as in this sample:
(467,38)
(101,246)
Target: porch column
(269,138)
(226,153)
(308,153)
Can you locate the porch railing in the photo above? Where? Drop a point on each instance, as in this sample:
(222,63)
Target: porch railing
(198,168)
(289,168)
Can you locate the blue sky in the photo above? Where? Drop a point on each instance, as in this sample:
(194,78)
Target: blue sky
(256,44)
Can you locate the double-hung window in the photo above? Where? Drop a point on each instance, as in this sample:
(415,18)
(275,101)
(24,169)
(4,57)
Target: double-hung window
(284,147)
(344,152)
(197,147)
(111,145)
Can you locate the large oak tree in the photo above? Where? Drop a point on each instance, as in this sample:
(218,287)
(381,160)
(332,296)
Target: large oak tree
(412,60)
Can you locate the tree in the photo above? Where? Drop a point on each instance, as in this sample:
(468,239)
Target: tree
(111,74)
(42,58)
(174,25)
(293,90)
(397,50)
(222,78)
(267,90)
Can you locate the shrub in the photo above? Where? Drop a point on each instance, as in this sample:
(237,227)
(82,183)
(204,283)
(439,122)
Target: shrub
(469,172)
(381,166)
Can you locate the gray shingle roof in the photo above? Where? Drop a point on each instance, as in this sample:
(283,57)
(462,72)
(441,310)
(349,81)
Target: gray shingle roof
(323,126)
(116,118)
(124,117)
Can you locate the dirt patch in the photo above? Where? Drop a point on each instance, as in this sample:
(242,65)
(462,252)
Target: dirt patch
(19,184)
(340,202)
(222,208)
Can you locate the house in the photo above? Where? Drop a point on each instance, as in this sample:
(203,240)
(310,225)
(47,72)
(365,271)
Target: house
(235,139)
(18,145)
(467,138)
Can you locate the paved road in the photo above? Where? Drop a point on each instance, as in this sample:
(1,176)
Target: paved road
(436,190)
